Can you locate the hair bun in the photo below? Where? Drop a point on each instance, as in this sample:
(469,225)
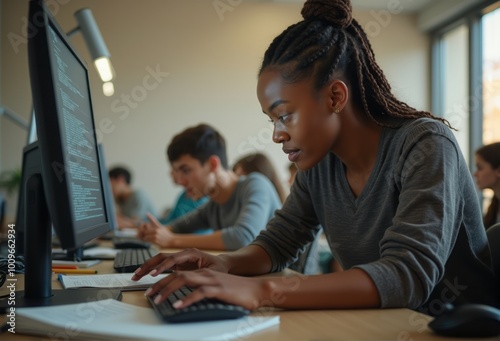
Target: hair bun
(337,12)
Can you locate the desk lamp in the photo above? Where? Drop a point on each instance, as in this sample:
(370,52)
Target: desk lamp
(97,47)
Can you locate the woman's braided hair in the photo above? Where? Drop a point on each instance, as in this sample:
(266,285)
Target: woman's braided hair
(330,42)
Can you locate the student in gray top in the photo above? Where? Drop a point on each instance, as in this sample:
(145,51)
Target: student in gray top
(133,204)
(238,208)
(387,182)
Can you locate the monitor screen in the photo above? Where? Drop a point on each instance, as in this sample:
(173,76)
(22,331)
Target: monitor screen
(66,136)
(67,190)
(80,163)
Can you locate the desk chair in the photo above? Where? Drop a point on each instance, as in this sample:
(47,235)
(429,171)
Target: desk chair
(493,234)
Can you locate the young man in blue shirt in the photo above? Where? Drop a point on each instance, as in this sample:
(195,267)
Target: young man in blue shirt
(238,208)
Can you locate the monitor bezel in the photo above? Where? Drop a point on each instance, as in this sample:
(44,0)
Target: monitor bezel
(53,157)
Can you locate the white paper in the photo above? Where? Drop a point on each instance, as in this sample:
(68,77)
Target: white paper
(119,280)
(81,264)
(113,320)
(101,252)
(126,232)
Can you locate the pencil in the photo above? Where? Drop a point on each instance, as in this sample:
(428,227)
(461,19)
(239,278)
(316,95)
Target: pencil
(73,271)
(64,267)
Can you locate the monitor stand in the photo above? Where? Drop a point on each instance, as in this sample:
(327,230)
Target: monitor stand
(38,254)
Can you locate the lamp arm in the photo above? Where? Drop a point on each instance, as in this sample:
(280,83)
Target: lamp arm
(16,118)
(73,31)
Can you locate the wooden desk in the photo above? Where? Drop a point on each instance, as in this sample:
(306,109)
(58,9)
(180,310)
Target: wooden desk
(373,324)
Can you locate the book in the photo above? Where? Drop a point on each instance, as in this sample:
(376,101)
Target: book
(111,281)
(114,320)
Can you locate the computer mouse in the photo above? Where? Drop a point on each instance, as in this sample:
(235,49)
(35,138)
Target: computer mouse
(468,320)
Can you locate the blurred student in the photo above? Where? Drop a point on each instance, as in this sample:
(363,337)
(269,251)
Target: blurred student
(388,184)
(238,207)
(487,175)
(308,261)
(183,205)
(258,162)
(132,204)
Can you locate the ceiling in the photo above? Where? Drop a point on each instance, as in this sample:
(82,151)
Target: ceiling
(408,6)
(400,5)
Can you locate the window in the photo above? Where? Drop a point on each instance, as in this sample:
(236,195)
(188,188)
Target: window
(455,47)
(466,77)
(491,77)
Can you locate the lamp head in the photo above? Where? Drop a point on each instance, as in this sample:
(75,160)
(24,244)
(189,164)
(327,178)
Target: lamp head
(95,43)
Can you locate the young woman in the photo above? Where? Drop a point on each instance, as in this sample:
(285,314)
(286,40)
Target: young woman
(488,176)
(387,182)
(260,163)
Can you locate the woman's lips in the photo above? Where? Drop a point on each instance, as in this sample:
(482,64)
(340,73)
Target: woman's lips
(293,155)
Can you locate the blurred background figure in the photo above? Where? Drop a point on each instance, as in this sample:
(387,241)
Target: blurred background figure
(132,204)
(308,262)
(258,162)
(184,204)
(487,176)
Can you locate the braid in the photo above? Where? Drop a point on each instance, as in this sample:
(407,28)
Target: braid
(329,41)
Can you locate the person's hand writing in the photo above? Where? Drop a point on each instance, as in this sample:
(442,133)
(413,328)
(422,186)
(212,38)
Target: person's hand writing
(155,232)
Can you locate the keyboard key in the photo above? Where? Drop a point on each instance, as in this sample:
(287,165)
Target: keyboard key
(204,310)
(128,260)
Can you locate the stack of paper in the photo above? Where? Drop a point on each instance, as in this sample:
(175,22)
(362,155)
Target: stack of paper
(114,320)
(112,281)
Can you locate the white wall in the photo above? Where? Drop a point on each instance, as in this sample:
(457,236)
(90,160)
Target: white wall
(212,61)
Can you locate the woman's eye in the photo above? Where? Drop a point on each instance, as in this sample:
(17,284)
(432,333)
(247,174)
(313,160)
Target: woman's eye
(284,118)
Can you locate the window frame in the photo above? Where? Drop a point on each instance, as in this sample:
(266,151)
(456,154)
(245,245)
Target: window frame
(473,21)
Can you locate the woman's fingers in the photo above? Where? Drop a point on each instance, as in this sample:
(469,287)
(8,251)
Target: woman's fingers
(208,284)
(188,259)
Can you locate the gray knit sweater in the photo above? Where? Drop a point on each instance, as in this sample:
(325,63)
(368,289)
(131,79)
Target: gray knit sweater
(416,229)
(241,218)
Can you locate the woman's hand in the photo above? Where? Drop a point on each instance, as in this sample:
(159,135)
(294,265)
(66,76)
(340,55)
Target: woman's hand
(250,293)
(188,259)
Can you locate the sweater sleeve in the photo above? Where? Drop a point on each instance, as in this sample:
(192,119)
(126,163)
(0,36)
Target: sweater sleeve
(292,228)
(415,248)
(258,200)
(193,221)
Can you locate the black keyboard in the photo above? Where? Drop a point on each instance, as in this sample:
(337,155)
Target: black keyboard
(130,243)
(128,260)
(204,310)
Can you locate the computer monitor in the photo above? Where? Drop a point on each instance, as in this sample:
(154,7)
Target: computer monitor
(108,192)
(30,165)
(68,190)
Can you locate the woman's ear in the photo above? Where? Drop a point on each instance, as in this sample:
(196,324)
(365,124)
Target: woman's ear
(338,95)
